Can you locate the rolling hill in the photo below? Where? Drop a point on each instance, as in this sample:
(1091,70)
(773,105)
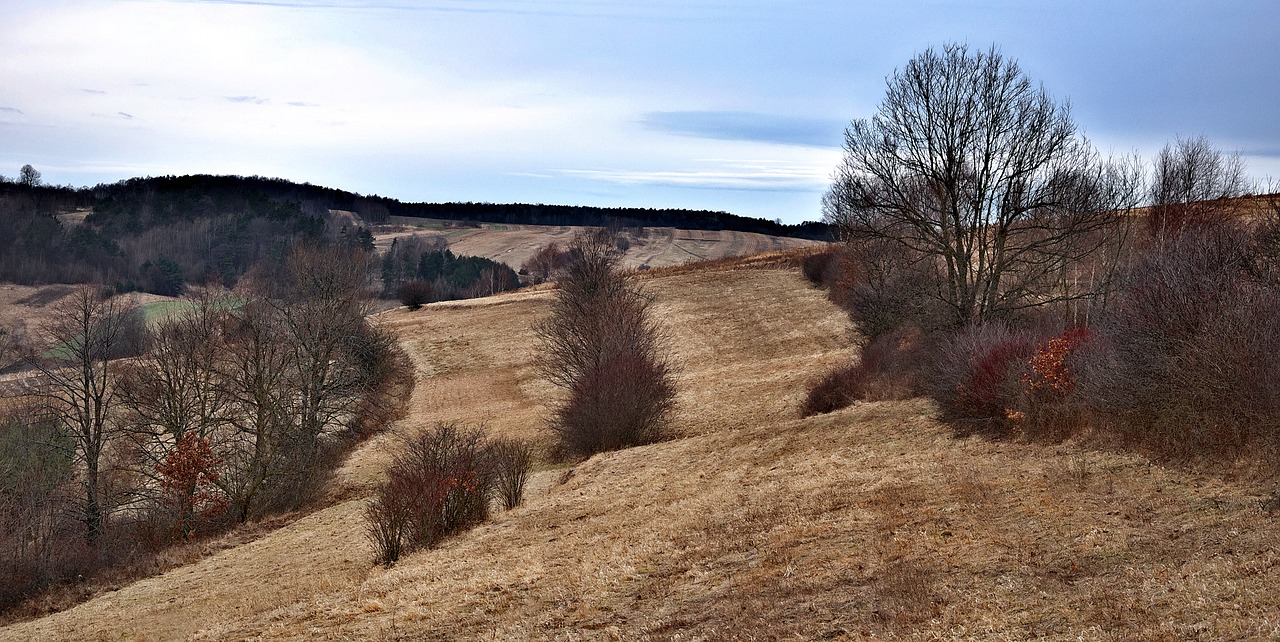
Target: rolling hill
(871,522)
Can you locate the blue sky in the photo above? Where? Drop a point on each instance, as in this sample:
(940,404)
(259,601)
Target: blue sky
(713,104)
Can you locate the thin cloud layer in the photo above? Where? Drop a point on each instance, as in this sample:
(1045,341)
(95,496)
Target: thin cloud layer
(769,176)
(748,126)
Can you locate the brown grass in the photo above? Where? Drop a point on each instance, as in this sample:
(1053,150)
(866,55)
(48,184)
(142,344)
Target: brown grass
(869,522)
(657,247)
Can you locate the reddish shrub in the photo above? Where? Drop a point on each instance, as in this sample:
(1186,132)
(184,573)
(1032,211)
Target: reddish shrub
(1048,407)
(625,401)
(602,345)
(835,390)
(188,480)
(438,484)
(978,381)
(1048,375)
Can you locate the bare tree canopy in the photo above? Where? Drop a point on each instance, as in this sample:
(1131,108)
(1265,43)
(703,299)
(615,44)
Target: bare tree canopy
(1192,179)
(978,171)
(29,176)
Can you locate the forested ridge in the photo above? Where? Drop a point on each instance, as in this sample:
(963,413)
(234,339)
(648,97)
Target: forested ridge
(158,233)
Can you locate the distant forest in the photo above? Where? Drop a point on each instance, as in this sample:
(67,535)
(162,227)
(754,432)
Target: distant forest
(157,234)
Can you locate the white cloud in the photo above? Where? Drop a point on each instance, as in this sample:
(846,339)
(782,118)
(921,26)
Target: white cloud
(762,175)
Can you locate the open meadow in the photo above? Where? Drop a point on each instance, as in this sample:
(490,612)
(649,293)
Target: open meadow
(875,521)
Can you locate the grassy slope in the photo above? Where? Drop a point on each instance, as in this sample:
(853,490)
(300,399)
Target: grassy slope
(872,521)
(657,247)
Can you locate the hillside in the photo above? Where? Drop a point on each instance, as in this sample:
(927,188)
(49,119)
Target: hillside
(874,521)
(649,246)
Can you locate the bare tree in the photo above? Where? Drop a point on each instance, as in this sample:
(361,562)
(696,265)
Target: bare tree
(298,366)
(602,345)
(973,168)
(1193,184)
(80,385)
(259,380)
(545,264)
(29,176)
(323,310)
(175,389)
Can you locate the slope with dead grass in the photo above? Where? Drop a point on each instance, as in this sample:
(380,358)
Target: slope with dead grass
(874,521)
(649,246)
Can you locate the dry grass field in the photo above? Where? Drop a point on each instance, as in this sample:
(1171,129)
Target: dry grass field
(654,247)
(874,522)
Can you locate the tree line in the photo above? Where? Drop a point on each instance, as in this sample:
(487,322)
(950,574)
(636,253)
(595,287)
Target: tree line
(130,436)
(422,269)
(159,233)
(995,261)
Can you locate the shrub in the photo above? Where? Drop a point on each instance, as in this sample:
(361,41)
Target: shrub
(603,347)
(1048,405)
(884,287)
(188,480)
(1189,332)
(511,459)
(546,263)
(819,266)
(888,367)
(415,294)
(835,390)
(625,401)
(437,485)
(978,380)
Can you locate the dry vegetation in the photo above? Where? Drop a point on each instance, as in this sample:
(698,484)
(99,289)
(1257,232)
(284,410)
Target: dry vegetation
(872,521)
(650,246)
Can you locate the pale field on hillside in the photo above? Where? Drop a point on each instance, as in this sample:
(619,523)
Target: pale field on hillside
(654,247)
(871,522)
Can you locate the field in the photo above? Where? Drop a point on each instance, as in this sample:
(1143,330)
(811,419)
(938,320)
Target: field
(870,522)
(652,247)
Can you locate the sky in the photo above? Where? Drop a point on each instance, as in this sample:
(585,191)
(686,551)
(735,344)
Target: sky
(706,104)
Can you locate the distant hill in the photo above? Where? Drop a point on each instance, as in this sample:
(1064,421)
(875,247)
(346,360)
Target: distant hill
(156,234)
(375,209)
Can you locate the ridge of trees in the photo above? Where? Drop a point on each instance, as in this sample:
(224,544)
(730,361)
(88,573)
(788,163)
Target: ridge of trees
(159,233)
(119,446)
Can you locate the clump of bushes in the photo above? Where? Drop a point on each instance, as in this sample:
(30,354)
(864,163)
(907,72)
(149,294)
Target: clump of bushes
(1164,342)
(603,347)
(439,483)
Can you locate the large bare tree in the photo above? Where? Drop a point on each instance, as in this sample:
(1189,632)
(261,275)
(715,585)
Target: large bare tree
(79,379)
(979,173)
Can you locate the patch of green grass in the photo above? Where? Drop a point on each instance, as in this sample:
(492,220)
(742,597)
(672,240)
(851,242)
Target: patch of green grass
(154,313)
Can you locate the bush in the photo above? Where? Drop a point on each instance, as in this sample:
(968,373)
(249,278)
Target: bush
(602,346)
(437,485)
(511,459)
(415,294)
(977,383)
(625,401)
(1049,407)
(1187,368)
(819,267)
(888,367)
